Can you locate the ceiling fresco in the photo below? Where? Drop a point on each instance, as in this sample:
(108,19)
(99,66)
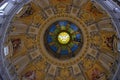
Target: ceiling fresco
(62,40)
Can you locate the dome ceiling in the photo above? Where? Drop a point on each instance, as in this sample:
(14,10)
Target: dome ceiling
(62,40)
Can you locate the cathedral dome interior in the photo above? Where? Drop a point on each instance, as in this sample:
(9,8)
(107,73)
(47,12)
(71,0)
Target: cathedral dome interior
(59,39)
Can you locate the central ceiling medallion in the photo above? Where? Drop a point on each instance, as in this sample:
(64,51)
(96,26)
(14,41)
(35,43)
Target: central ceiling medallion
(63,39)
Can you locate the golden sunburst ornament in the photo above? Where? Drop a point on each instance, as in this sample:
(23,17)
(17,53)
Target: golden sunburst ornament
(63,38)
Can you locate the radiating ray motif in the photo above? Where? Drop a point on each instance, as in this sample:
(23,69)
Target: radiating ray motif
(68,37)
